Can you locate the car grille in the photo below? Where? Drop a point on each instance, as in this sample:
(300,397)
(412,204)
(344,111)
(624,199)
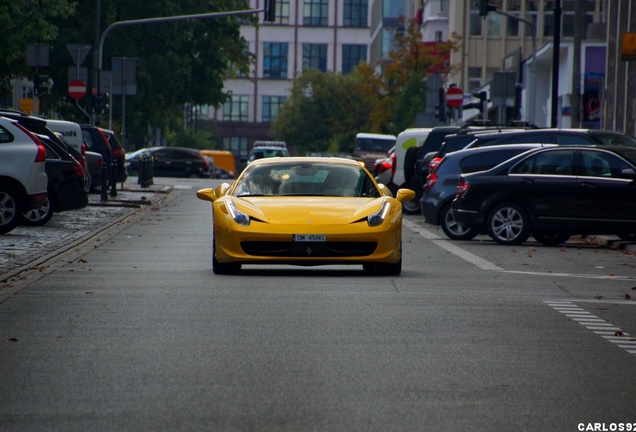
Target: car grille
(308,249)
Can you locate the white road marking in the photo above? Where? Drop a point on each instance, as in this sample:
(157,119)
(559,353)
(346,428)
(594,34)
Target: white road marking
(487,265)
(597,325)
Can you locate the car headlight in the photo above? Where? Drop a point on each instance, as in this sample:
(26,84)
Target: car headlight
(237,216)
(378,217)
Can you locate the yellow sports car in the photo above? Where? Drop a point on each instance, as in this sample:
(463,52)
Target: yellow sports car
(306,211)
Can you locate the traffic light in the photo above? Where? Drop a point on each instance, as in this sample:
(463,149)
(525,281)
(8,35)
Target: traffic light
(270,11)
(485,7)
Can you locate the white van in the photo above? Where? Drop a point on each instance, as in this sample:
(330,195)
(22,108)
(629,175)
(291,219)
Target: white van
(407,139)
(72,132)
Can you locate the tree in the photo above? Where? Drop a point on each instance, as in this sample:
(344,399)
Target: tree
(24,22)
(323,112)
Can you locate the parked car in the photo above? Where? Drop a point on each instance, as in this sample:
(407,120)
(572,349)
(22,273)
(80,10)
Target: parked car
(546,136)
(172,162)
(441,183)
(66,185)
(104,142)
(23,179)
(265,149)
(371,146)
(384,168)
(551,194)
(224,162)
(281,210)
(95,164)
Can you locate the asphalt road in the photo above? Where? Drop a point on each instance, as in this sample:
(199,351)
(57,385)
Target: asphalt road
(132,331)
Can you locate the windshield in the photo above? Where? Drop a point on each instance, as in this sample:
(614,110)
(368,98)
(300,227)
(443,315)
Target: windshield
(306,179)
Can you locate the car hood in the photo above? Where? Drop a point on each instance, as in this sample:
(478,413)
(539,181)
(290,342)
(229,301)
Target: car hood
(298,210)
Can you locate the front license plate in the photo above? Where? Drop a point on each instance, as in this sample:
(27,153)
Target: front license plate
(310,237)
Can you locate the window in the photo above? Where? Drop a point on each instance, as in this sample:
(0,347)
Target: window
(315,57)
(443,5)
(282,12)
(355,13)
(512,25)
(600,164)
(494,25)
(272,106)
(315,12)
(274,60)
(532,13)
(475,20)
(474,78)
(352,55)
(237,145)
(235,109)
(547,163)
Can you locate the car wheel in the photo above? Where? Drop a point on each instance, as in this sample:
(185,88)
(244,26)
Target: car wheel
(453,229)
(549,239)
(39,216)
(411,207)
(222,268)
(10,205)
(508,224)
(628,237)
(384,269)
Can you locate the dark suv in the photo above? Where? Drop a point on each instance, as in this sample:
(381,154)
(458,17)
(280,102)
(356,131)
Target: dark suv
(172,162)
(104,142)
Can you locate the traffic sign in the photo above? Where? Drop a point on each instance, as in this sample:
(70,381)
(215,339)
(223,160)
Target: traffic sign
(77,89)
(454,97)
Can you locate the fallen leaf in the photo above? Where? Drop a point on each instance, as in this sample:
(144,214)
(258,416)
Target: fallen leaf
(627,297)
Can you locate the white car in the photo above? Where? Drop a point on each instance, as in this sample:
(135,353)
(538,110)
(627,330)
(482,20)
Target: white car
(23,181)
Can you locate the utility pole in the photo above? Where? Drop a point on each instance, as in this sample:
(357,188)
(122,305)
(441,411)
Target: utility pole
(575,99)
(556,58)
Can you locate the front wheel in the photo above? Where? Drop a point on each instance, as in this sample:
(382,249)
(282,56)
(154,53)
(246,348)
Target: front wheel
(454,229)
(549,239)
(222,268)
(10,205)
(508,224)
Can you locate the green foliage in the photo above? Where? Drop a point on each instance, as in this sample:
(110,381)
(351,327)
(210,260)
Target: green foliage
(189,138)
(323,112)
(23,22)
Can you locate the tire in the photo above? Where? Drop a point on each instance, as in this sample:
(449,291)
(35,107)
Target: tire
(548,239)
(410,158)
(222,268)
(10,206)
(411,207)
(508,224)
(39,216)
(455,230)
(384,269)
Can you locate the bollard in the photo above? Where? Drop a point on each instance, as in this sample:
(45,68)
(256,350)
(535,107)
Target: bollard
(104,191)
(141,168)
(113,178)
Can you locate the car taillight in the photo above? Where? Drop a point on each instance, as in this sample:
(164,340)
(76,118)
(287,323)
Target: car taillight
(433,163)
(78,169)
(383,166)
(83,149)
(40,156)
(207,165)
(462,187)
(393,164)
(119,153)
(431,179)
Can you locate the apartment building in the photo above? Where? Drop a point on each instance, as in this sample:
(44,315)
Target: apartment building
(328,35)
(523,34)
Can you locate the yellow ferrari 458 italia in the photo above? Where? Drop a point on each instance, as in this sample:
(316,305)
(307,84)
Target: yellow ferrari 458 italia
(306,211)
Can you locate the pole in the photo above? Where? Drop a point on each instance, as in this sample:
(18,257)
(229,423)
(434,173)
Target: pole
(531,90)
(555,64)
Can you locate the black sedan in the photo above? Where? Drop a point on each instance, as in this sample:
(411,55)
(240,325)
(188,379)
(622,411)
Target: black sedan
(551,194)
(171,162)
(67,184)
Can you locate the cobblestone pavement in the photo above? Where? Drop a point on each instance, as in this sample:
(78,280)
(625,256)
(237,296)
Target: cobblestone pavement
(24,246)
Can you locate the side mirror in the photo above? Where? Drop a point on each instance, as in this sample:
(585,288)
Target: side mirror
(405,195)
(221,190)
(628,173)
(206,194)
(385,190)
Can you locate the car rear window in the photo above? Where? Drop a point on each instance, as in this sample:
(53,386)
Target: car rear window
(5,135)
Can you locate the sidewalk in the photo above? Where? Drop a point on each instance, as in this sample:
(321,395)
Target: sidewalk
(26,248)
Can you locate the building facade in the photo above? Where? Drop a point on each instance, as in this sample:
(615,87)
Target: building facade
(520,33)
(327,35)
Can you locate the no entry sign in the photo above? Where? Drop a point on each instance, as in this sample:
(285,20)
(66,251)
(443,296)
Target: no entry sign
(454,97)
(77,89)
